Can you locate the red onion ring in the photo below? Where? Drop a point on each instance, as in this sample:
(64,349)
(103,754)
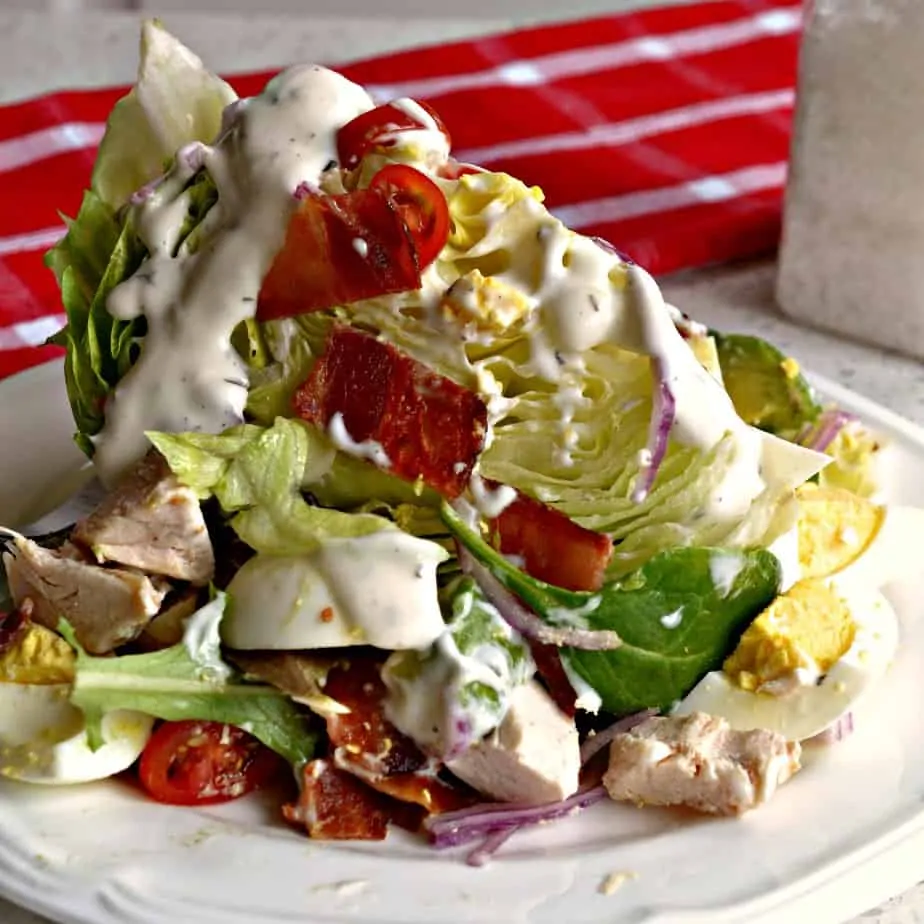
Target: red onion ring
(663,412)
(526,622)
(595,744)
(824,431)
(480,821)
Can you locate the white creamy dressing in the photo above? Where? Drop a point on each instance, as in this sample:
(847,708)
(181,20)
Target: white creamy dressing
(203,642)
(370,450)
(490,502)
(188,376)
(588,698)
(378,589)
(429,144)
(672,620)
(724,568)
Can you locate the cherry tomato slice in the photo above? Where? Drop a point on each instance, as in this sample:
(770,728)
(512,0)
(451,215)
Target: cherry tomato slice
(203,763)
(422,206)
(377,129)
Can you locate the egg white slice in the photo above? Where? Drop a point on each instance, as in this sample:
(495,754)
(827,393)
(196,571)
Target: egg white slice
(809,708)
(70,760)
(893,554)
(34,712)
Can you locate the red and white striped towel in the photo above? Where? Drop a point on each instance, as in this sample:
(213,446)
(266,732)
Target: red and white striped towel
(664,131)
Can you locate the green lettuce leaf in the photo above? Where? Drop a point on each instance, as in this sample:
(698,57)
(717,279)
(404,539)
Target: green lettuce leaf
(188,681)
(175,100)
(258,474)
(678,616)
(458,690)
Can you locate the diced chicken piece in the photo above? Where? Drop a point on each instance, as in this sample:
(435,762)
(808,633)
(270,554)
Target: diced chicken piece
(107,607)
(153,523)
(700,762)
(532,756)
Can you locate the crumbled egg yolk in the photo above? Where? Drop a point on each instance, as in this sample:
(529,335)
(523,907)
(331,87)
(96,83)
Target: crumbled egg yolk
(807,628)
(40,656)
(485,301)
(835,527)
(790,368)
(854,450)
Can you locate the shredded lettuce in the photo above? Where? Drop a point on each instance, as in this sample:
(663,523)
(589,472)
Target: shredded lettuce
(258,475)
(458,690)
(175,100)
(188,681)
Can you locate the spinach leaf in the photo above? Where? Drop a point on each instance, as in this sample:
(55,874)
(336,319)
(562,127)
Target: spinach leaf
(678,616)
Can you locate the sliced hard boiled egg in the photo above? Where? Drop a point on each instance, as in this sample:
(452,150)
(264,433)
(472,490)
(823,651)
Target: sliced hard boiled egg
(788,674)
(854,539)
(71,760)
(42,735)
(378,589)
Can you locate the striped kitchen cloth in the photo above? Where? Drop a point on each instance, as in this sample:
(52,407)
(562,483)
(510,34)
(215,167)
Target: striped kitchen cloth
(665,131)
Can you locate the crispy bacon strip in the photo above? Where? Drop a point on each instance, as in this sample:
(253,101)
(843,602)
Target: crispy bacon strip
(429,427)
(14,624)
(367,745)
(335,805)
(339,249)
(553,547)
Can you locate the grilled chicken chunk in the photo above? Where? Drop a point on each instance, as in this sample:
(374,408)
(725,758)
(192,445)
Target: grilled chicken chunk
(153,523)
(700,762)
(532,756)
(107,607)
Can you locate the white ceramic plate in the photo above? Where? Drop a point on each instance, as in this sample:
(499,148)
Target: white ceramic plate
(847,833)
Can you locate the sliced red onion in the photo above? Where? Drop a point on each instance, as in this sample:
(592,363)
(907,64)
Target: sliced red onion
(230,115)
(306,190)
(596,743)
(604,244)
(838,730)
(824,431)
(489,846)
(192,156)
(145,192)
(481,821)
(663,411)
(526,622)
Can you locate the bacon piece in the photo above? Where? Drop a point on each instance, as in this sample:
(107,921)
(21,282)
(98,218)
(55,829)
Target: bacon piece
(553,547)
(339,249)
(549,668)
(13,624)
(367,745)
(335,805)
(429,427)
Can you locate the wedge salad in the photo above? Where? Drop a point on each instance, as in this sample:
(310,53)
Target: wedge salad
(417,502)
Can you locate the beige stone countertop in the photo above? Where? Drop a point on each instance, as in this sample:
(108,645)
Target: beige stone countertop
(43,51)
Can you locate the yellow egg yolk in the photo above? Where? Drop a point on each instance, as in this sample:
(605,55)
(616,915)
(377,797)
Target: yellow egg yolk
(807,628)
(39,656)
(835,528)
(489,303)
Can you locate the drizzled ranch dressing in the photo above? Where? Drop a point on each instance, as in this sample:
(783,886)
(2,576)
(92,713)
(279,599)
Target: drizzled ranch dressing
(584,296)
(189,376)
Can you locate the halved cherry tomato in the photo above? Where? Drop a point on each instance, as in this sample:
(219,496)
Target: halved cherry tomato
(422,206)
(203,763)
(377,129)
